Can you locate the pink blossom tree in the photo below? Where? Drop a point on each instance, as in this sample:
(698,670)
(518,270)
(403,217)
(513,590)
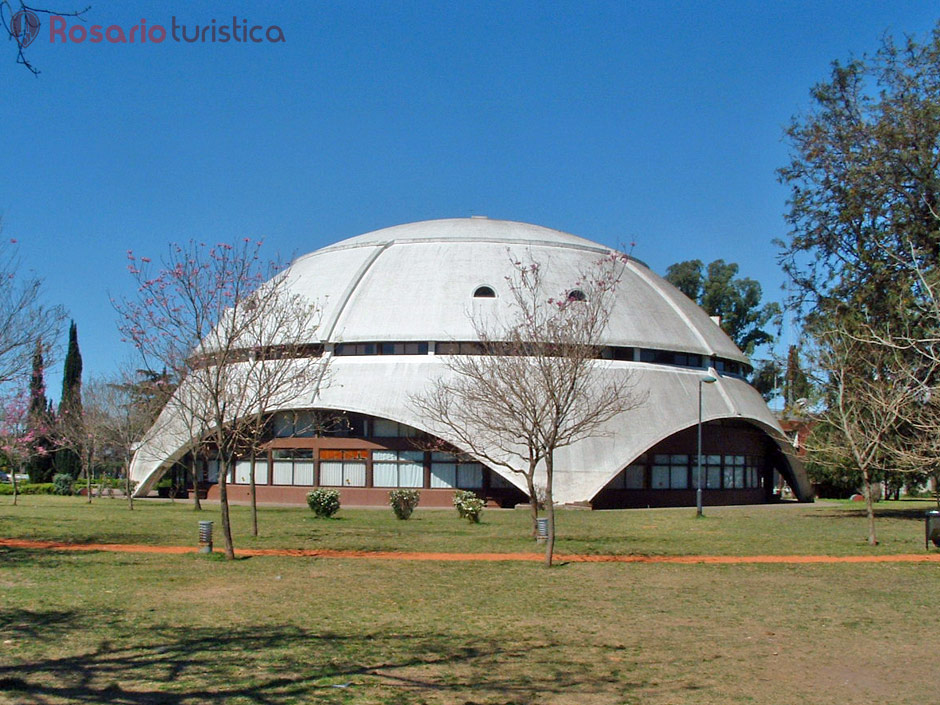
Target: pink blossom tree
(19,435)
(227,329)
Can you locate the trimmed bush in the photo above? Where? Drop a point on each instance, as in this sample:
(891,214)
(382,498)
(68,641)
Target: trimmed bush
(468,505)
(324,503)
(62,482)
(403,502)
(27,488)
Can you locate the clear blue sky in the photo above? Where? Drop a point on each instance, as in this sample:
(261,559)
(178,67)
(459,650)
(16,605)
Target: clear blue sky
(655,122)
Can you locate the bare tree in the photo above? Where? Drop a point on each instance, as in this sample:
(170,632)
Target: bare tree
(25,321)
(124,407)
(233,338)
(86,428)
(869,393)
(275,372)
(537,382)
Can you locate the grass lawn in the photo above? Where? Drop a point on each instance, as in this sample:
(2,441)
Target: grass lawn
(140,629)
(830,528)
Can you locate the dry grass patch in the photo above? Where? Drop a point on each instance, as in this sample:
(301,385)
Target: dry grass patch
(185,630)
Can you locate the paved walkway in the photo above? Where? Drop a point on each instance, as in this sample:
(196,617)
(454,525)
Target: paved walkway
(933,557)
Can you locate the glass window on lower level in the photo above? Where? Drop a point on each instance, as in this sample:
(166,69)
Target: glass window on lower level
(711,470)
(343,468)
(397,468)
(734,471)
(469,476)
(243,471)
(499,482)
(447,473)
(293,467)
(634,477)
(443,475)
(753,477)
(752,472)
(670,472)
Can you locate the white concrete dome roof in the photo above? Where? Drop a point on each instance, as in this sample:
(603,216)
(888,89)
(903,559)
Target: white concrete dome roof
(415,282)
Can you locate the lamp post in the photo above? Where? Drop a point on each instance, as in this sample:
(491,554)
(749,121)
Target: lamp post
(707,379)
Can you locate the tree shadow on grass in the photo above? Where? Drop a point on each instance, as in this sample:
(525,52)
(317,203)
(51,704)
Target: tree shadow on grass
(881,512)
(27,624)
(29,558)
(275,665)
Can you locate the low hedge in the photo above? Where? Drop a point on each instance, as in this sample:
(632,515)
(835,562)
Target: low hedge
(27,488)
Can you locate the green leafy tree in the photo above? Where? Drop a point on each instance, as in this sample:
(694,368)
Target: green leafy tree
(736,300)
(68,460)
(798,388)
(766,378)
(864,180)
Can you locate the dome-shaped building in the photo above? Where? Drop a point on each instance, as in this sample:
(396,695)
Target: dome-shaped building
(396,302)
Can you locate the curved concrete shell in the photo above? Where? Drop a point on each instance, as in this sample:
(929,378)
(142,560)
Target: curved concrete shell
(415,284)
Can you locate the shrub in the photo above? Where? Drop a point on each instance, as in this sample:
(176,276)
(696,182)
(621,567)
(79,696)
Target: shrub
(27,488)
(62,483)
(324,503)
(403,502)
(468,505)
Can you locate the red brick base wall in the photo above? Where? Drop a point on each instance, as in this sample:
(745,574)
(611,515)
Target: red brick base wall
(348,496)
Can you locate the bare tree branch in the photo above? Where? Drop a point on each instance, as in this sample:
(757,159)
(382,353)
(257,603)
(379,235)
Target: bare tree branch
(536,383)
(231,335)
(21,24)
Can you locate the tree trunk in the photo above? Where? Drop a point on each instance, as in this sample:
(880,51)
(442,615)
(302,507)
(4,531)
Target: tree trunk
(127,485)
(88,483)
(13,480)
(194,467)
(533,501)
(549,511)
(223,502)
(869,506)
(254,501)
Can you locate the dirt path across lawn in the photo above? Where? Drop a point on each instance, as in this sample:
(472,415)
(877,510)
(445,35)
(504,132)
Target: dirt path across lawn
(411,556)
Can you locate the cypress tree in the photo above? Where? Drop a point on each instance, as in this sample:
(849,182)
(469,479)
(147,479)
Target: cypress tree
(39,467)
(70,405)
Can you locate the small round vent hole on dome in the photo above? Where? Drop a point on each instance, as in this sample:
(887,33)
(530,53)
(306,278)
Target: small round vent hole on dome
(576,295)
(484,292)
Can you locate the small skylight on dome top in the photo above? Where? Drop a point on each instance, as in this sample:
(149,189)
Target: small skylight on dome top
(576,295)
(484,292)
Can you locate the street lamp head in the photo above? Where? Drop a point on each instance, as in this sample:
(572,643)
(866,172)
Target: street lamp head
(708,379)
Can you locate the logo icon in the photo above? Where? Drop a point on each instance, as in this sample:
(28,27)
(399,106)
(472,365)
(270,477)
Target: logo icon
(24,26)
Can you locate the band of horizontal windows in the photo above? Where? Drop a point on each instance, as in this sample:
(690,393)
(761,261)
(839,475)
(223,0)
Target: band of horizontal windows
(607,352)
(679,471)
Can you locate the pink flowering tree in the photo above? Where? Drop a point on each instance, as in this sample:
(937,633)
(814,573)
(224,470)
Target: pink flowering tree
(227,330)
(538,383)
(20,437)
